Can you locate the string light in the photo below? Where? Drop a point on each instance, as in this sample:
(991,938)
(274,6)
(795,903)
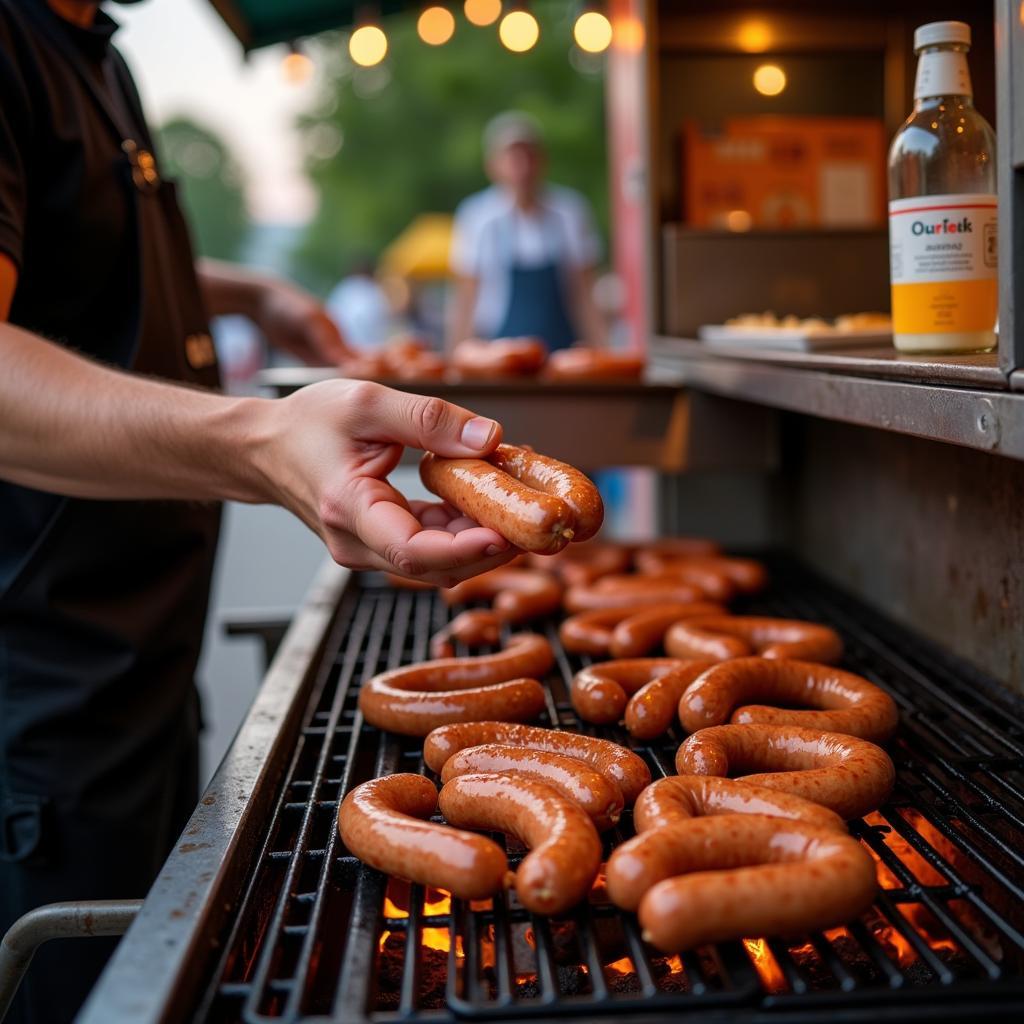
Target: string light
(368,45)
(482,12)
(519,31)
(436,25)
(592,31)
(296,68)
(769,79)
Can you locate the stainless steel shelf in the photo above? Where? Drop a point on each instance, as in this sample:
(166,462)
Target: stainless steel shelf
(989,419)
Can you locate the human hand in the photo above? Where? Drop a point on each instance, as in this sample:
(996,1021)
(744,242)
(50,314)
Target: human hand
(325,453)
(294,321)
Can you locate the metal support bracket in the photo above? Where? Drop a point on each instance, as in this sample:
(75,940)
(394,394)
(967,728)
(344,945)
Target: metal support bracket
(71,920)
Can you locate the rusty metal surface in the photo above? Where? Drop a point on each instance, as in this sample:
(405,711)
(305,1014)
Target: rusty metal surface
(202,876)
(931,534)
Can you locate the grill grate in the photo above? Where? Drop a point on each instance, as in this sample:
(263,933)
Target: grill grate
(318,936)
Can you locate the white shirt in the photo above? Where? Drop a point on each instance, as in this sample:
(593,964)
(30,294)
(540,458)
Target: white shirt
(360,309)
(491,235)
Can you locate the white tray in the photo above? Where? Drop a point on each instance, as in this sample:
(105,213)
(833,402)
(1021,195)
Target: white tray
(791,339)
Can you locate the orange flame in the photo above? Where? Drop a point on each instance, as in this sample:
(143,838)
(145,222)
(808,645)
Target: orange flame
(623,966)
(767,967)
(674,964)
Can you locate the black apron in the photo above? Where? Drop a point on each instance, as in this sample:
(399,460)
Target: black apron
(101,619)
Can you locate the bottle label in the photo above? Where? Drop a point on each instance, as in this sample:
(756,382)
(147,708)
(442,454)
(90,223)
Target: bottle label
(943,263)
(942,73)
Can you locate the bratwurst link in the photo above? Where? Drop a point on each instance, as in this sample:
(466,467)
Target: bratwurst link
(845,702)
(628,770)
(417,698)
(536,503)
(851,776)
(383,823)
(719,638)
(565,851)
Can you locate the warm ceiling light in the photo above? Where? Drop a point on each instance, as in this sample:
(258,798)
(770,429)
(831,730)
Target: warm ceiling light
(368,45)
(519,31)
(482,12)
(769,80)
(739,220)
(296,68)
(592,32)
(436,25)
(754,36)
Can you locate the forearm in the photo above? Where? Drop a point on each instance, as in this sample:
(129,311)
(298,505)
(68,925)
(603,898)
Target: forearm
(460,313)
(230,289)
(74,427)
(591,323)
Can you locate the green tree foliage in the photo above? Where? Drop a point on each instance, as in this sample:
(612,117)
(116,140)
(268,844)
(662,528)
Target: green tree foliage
(210,181)
(387,143)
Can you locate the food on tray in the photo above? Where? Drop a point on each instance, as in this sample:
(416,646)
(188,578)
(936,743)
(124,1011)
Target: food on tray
(628,770)
(600,692)
(597,794)
(851,776)
(721,637)
(475,627)
(504,357)
(535,502)
(736,875)
(812,324)
(580,363)
(417,698)
(565,850)
(845,702)
(384,823)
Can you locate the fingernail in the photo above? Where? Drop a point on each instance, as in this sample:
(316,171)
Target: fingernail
(496,549)
(478,431)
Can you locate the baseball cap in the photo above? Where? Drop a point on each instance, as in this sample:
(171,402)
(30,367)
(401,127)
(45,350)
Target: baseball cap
(510,128)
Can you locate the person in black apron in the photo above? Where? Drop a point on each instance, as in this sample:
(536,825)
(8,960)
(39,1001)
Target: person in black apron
(523,253)
(102,601)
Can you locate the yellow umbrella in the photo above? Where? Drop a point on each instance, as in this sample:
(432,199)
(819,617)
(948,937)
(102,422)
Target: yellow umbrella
(421,250)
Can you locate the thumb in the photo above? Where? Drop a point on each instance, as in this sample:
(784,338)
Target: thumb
(428,423)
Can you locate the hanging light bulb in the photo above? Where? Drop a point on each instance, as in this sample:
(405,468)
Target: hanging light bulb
(592,31)
(769,79)
(482,12)
(519,30)
(368,45)
(296,67)
(436,25)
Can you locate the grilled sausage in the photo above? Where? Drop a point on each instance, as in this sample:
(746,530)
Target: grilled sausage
(383,824)
(517,594)
(643,861)
(682,797)
(565,851)
(591,632)
(503,357)
(628,770)
(579,363)
(475,627)
(847,703)
(719,638)
(744,574)
(629,592)
(584,563)
(558,479)
(714,585)
(599,693)
(651,711)
(740,874)
(527,518)
(417,698)
(598,795)
(680,547)
(848,775)
(645,627)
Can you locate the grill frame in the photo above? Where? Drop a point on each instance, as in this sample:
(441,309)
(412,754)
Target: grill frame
(386,620)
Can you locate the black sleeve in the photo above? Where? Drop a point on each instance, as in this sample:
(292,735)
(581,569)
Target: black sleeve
(15,125)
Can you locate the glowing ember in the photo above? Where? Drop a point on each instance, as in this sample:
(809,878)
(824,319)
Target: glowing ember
(393,910)
(767,967)
(623,966)
(674,965)
(437,902)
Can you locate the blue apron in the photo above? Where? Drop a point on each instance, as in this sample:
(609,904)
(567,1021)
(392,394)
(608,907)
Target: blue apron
(537,306)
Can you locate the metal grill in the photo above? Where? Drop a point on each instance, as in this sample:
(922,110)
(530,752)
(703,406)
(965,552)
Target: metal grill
(319,936)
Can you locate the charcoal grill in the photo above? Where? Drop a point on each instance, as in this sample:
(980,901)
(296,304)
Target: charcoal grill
(290,927)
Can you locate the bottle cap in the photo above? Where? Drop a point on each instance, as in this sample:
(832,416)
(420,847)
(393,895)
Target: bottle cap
(937,32)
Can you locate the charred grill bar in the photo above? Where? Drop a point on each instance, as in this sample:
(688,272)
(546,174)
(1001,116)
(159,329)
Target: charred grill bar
(304,932)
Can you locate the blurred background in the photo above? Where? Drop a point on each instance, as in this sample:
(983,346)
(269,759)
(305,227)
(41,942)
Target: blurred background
(316,168)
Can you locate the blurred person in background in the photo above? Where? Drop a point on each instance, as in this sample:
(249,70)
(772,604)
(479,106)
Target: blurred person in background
(523,252)
(115,449)
(361,308)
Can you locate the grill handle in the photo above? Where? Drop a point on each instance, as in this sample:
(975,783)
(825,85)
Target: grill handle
(70,920)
